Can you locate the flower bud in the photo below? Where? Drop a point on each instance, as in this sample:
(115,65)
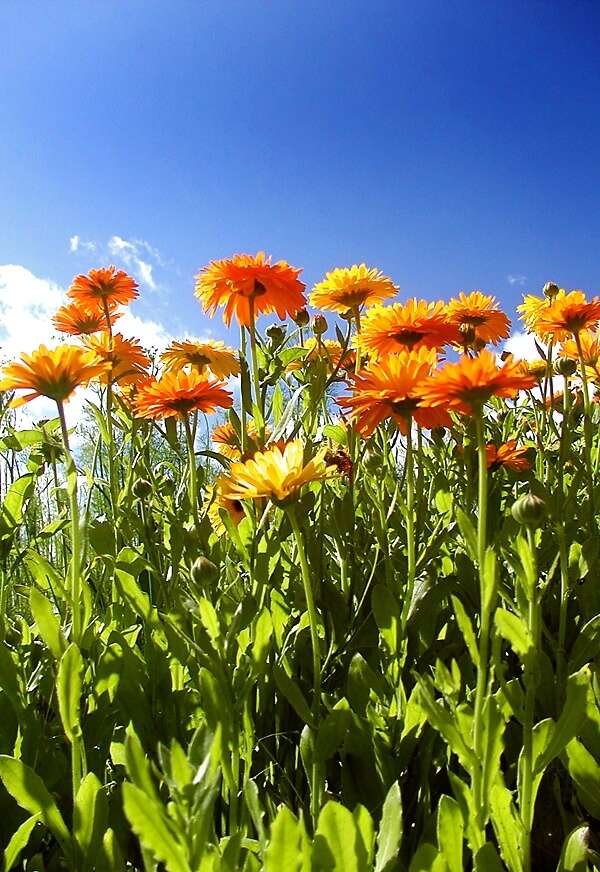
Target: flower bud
(566,366)
(551,289)
(301,318)
(203,571)
(276,334)
(529,510)
(141,488)
(320,325)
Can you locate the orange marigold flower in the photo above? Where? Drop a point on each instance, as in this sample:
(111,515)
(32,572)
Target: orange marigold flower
(52,373)
(406,327)
(329,351)
(128,362)
(247,285)
(389,389)
(212,354)
(465,386)
(215,501)
(590,348)
(478,317)
(569,315)
(178,394)
(507,455)
(79,320)
(227,440)
(103,286)
(351,287)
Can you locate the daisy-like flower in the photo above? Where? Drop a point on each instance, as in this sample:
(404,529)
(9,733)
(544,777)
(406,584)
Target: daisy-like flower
(329,351)
(349,288)
(178,394)
(478,318)
(215,501)
(103,286)
(590,351)
(82,320)
(465,386)
(531,308)
(246,286)
(568,315)
(128,362)
(52,373)
(212,354)
(277,473)
(227,440)
(507,455)
(406,327)
(389,389)
(536,368)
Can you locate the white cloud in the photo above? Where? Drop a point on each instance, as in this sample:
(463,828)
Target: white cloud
(516,279)
(522,345)
(129,252)
(76,243)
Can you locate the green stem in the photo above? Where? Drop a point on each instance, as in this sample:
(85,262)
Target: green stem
(526,781)
(192,471)
(410,532)
(587,430)
(243,382)
(75,581)
(561,664)
(259,410)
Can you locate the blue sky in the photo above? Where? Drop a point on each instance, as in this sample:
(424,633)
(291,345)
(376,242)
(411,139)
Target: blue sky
(452,144)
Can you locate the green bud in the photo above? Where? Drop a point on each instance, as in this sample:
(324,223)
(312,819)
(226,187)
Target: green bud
(566,366)
(203,571)
(320,325)
(276,334)
(529,510)
(141,488)
(302,318)
(551,289)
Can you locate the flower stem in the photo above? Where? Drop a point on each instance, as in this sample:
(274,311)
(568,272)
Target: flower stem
(75,581)
(256,379)
(192,471)
(587,430)
(410,532)
(525,799)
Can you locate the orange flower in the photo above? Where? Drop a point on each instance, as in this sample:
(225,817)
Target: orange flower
(407,327)
(51,373)
(178,394)
(507,455)
(349,288)
(568,315)
(248,285)
(77,319)
(103,286)
(531,308)
(465,386)
(478,317)
(389,389)
(590,347)
(329,351)
(215,500)
(228,443)
(126,357)
(213,354)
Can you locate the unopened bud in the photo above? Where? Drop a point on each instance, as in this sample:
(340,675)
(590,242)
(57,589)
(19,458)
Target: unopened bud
(320,325)
(203,571)
(529,510)
(302,318)
(141,488)
(551,289)
(566,366)
(276,334)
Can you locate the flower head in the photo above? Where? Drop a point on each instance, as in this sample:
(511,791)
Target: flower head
(407,327)
(103,286)
(507,455)
(247,285)
(78,319)
(178,394)
(590,351)
(389,389)
(127,360)
(228,443)
(52,373)
(465,386)
(277,473)
(211,354)
(327,351)
(349,288)
(478,317)
(569,315)
(215,502)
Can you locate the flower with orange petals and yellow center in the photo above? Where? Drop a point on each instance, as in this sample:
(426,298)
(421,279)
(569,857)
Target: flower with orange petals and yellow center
(466,385)
(82,320)
(590,352)
(212,354)
(388,388)
(348,288)
(178,394)
(532,307)
(507,455)
(568,315)
(277,473)
(227,440)
(52,373)
(406,327)
(246,286)
(215,502)
(103,286)
(128,362)
(478,318)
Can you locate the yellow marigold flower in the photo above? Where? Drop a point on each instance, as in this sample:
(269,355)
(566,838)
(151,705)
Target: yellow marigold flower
(478,317)
(82,320)
(568,315)
(227,441)
(214,501)
(590,348)
(536,368)
(178,394)
(406,327)
(507,455)
(277,473)
(128,362)
(465,386)
(51,373)
(247,285)
(352,287)
(212,354)
(103,286)
(329,351)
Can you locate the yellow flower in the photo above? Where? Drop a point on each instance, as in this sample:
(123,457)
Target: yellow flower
(350,287)
(213,353)
(277,473)
(51,373)
(532,308)
(214,501)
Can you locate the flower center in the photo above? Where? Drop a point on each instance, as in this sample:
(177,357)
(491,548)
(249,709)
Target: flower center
(408,337)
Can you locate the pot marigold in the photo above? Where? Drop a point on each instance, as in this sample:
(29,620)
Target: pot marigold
(348,288)
(478,318)
(227,440)
(508,456)
(79,320)
(328,351)
(212,354)
(246,286)
(465,386)
(277,473)
(104,286)
(568,315)
(127,360)
(52,373)
(215,502)
(406,327)
(178,394)
(389,389)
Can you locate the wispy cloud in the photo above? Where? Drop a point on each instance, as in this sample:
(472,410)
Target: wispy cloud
(516,279)
(76,243)
(523,346)
(138,256)
(129,252)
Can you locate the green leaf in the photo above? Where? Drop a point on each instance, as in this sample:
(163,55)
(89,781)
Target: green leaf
(450,829)
(47,623)
(386,611)
(469,533)
(253,806)
(574,855)
(514,630)
(427,859)
(209,619)
(585,772)
(11,511)
(570,720)
(389,836)
(338,844)
(90,816)
(156,832)
(444,722)
(466,628)
(286,848)
(587,644)
(487,859)
(68,691)
(112,857)
(508,827)
(288,688)
(28,789)
(19,841)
